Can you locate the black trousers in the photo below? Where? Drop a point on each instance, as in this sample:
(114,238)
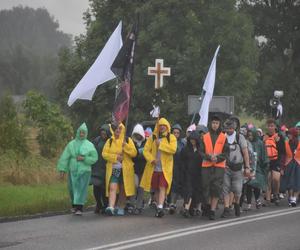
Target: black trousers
(100,197)
(248,191)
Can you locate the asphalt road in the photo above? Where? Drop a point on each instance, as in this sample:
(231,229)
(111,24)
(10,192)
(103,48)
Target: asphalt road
(268,228)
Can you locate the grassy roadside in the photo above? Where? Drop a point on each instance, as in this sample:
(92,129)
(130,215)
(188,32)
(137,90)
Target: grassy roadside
(18,200)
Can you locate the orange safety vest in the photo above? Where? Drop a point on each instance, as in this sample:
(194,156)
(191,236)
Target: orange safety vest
(289,154)
(210,150)
(271,147)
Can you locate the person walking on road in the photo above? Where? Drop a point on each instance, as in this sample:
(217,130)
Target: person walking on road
(191,174)
(214,152)
(291,170)
(119,151)
(99,170)
(76,161)
(237,162)
(158,173)
(275,146)
(176,189)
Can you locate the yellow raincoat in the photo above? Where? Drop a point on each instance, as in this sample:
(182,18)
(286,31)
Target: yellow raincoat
(111,149)
(167,148)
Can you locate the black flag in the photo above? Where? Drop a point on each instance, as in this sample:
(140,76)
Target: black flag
(123,68)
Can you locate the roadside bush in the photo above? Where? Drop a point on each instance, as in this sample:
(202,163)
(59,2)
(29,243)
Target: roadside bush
(12,131)
(55,129)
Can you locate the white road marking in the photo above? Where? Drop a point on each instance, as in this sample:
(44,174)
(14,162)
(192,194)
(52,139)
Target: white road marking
(193,230)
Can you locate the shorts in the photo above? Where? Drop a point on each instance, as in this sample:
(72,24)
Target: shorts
(212,182)
(158,180)
(275,165)
(116,178)
(233,182)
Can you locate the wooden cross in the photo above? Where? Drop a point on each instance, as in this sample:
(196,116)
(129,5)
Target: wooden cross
(159,71)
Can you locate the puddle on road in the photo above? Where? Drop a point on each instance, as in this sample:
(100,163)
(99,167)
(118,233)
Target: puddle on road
(9,244)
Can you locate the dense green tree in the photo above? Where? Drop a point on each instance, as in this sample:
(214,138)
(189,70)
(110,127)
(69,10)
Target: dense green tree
(277,27)
(12,131)
(29,46)
(185,34)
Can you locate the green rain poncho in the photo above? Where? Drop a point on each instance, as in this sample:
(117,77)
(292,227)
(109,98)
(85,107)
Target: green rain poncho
(262,167)
(79,172)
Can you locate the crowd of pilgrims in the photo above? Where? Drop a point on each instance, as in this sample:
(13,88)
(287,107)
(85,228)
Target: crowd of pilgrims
(190,172)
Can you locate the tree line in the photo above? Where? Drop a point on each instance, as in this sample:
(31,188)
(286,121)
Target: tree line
(259,54)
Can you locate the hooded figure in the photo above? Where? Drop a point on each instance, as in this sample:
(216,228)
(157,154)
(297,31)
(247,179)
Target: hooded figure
(290,181)
(76,160)
(168,146)
(111,149)
(138,137)
(99,169)
(262,165)
(191,174)
(176,189)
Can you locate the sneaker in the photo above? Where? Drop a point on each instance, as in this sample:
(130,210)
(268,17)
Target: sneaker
(172,209)
(137,211)
(159,213)
(293,201)
(130,209)
(226,213)
(73,210)
(78,212)
(258,204)
(237,210)
(281,196)
(212,215)
(120,212)
(110,211)
(248,208)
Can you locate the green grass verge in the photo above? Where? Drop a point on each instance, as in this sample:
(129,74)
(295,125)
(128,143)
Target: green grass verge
(16,200)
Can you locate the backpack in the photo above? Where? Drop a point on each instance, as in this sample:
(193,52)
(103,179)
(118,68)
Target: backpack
(236,159)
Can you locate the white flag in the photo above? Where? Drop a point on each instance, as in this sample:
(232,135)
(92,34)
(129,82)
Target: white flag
(208,87)
(100,71)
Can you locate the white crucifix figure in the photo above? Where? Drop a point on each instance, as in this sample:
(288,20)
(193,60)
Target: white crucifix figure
(159,71)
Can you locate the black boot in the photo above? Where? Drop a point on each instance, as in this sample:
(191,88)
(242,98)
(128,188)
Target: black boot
(212,215)
(206,210)
(185,213)
(226,212)
(237,209)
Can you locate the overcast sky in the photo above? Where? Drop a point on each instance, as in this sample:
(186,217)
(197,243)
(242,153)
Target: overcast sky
(67,12)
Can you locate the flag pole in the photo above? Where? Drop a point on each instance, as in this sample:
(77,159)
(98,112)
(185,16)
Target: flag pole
(132,59)
(200,103)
